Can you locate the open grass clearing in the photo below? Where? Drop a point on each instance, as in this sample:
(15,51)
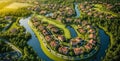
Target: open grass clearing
(16,5)
(102,8)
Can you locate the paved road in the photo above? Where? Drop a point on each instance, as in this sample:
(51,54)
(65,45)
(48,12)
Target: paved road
(19,53)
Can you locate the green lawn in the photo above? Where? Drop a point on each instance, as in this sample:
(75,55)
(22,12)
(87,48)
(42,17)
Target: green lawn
(4,3)
(102,8)
(44,48)
(14,8)
(16,5)
(75,28)
(58,24)
(14,25)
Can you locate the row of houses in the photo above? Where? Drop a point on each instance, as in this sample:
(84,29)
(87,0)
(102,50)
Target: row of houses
(89,9)
(59,12)
(53,38)
(87,29)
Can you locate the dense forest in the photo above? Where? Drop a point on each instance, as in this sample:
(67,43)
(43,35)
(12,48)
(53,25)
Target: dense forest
(19,38)
(4,47)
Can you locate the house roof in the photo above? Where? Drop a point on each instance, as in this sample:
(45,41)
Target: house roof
(78,51)
(45,32)
(53,44)
(91,31)
(73,42)
(13,30)
(81,30)
(48,38)
(63,50)
(41,27)
(36,23)
(54,29)
(88,46)
(78,39)
(92,41)
(61,37)
(92,36)
(50,26)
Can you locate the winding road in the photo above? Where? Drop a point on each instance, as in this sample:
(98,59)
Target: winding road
(19,53)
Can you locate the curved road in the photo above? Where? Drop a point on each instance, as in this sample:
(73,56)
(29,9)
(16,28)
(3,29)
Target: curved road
(13,47)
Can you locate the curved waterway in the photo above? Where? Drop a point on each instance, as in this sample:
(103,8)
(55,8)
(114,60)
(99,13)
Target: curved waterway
(72,32)
(33,42)
(104,43)
(77,11)
(104,39)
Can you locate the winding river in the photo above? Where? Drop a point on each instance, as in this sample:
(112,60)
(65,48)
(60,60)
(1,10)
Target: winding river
(104,39)
(34,43)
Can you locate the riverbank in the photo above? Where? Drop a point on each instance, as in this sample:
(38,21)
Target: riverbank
(48,50)
(44,48)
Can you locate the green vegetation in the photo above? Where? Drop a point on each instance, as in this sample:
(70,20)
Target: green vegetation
(43,27)
(11,8)
(101,8)
(44,48)
(61,2)
(58,24)
(103,14)
(19,39)
(4,47)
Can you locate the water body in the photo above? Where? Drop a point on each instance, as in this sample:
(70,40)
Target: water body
(49,14)
(104,39)
(72,32)
(77,11)
(33,42)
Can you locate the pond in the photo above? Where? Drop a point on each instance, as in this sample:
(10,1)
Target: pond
(72,32)
(33,42)
(77,11)
(49,14)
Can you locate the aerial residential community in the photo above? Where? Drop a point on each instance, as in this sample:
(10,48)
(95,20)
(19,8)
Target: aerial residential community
(59,30)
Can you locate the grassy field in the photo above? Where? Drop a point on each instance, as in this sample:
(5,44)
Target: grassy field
(16,5)
(102,8)
(49,54)
(14,25)
(58,24)
(11,7)
(4,3)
